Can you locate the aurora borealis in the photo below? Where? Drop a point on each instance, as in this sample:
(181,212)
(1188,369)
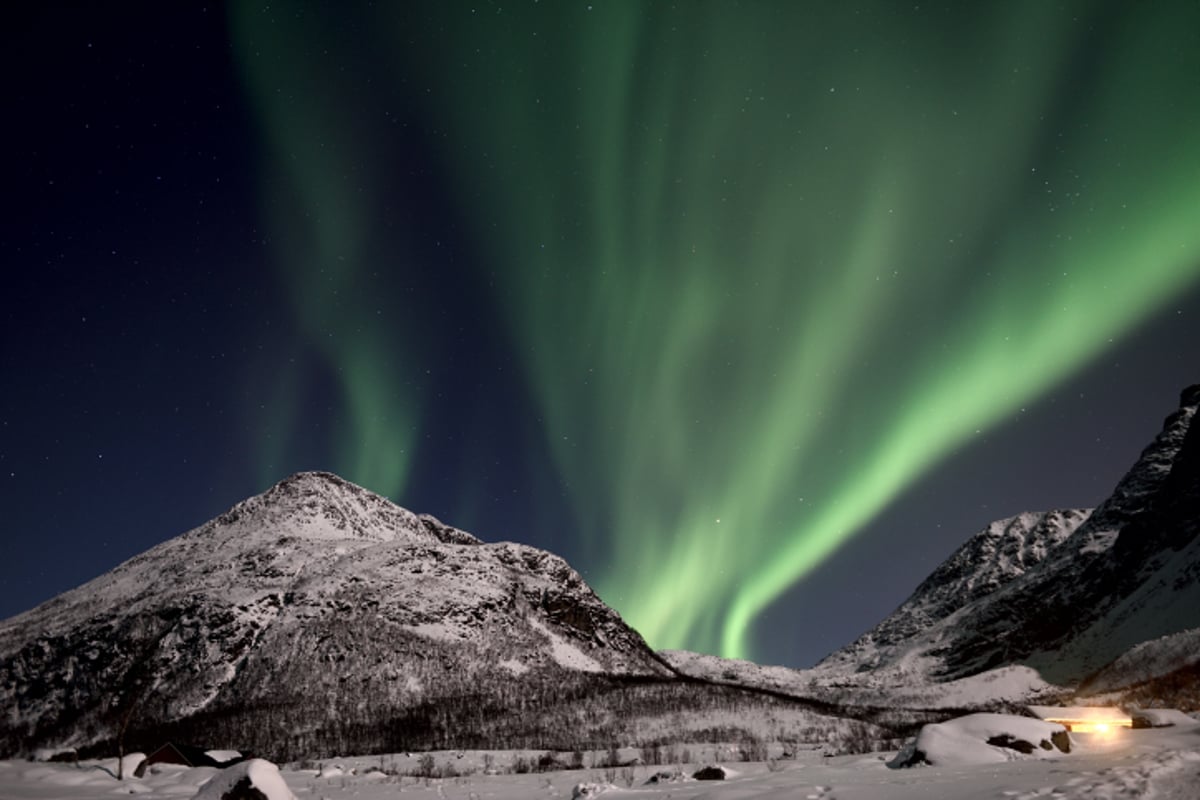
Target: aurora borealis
(704,291)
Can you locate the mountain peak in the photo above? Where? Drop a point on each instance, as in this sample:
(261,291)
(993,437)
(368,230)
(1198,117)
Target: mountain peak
(322,505)
(319,481)
(304,601)
(1190,396)
(1135,492)
(1065,592)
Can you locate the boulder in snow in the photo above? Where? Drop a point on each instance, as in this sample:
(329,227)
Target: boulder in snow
(667,776)
(711,772)
(255,779)
(983,739)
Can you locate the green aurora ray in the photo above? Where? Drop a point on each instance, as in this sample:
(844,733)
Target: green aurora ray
(767,265)
(319,203)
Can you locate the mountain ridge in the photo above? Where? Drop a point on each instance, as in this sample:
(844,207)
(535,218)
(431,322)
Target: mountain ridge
(1087,564)
(321,609)
(1039,604)
(313,591)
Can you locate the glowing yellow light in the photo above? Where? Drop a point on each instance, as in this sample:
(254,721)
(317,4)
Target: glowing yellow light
(1107,728)
(1106,721)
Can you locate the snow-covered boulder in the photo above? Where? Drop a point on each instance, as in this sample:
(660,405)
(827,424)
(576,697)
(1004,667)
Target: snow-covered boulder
(983,739)
(125,766)
(255,779)
(1159,718)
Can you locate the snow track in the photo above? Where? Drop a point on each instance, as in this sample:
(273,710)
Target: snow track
(1174,775)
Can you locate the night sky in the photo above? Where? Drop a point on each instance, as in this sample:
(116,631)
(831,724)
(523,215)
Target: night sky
(752,311)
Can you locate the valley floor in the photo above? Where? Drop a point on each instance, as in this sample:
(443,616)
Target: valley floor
(1163,763)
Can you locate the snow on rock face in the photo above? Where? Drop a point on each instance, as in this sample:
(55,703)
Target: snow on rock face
(1064,592)
(566,654)
(315,588)
(1137,489)
(321,505)
(514,666)
(255,779)
(999,554)
(983,739)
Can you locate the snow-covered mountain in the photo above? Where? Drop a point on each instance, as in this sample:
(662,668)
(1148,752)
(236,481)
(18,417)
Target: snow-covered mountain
(318,617)
(1101,602)
(1002,552)
(1063,593)
(316,605)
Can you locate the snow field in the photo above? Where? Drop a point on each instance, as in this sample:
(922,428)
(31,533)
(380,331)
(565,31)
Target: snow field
(1173,775)
(1161,763)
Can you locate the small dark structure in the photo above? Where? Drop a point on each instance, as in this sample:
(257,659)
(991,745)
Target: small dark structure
(184,754)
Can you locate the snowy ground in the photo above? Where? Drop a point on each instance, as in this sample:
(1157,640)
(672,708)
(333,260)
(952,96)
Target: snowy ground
(1163,763)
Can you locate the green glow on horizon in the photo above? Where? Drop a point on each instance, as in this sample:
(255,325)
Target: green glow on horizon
(766,266)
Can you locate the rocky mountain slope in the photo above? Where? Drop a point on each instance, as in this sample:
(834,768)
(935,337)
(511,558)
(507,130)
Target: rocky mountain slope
(1000,553)
(318,606)
(1064,593)
(1102,602)
(319,618)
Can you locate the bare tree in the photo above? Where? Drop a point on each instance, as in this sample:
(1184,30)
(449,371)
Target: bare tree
(132,697)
